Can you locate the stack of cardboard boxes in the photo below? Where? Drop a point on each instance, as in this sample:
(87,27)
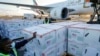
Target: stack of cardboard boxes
(82,36)
(12,28)
(51,39)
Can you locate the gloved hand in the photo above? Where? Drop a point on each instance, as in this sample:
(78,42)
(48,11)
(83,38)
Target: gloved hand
(34,34)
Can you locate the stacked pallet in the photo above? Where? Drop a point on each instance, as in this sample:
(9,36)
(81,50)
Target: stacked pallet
(83,40)
(51,39)
(12,28)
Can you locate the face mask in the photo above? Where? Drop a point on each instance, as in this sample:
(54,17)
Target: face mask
(13,48)
(13,45)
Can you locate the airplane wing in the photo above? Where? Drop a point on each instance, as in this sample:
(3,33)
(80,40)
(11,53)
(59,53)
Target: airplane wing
(58,12)
(31,6)
(54,12)
(24,5)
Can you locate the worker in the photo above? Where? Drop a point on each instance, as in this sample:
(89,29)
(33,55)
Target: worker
(9,47)
(47,21)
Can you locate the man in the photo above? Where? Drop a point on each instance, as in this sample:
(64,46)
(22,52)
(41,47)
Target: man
(47,21)
(8,47)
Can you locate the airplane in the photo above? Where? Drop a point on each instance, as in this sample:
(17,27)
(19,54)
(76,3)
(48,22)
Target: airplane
(62,11)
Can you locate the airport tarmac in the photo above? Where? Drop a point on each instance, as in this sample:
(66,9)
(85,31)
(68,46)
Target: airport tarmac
(75,19)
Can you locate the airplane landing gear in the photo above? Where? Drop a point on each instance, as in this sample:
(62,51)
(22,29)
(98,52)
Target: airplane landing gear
(96,12)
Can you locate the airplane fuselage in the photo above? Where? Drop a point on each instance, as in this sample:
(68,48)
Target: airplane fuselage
(77,5)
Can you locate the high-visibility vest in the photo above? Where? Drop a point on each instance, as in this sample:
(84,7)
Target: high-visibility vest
(1,54)
(46,22)
(14,50)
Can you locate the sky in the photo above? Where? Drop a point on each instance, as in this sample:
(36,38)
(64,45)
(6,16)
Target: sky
(14,10)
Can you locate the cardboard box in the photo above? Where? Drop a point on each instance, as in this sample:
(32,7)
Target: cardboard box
(75,48)
(76,32)
(45,37)
(13,34)
(32,45)
(91,51)
(12,25)
(29,53)
(92,36)
(29,23)
(40,21)
(61,48)
(61,31)
(57,47)
(1,23)
(67,23)
(76,35)
(50,51)
(12,28)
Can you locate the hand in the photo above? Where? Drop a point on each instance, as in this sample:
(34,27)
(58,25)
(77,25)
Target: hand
(34,34)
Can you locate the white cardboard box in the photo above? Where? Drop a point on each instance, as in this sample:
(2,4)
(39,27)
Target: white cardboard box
(92,36)
(50,51)
(75,48)
(40,21)
(91,51)
(76,32)
(61,31)
(61,48)
(29,53)
(13,34)
(45,37)
(12,24)
(29,23)
(76,39)
(67,23)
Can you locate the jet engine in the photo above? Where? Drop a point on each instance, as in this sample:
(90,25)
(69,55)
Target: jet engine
(59,13)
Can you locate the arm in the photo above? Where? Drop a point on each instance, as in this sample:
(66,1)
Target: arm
(34,36)
(17,39)
(22,43)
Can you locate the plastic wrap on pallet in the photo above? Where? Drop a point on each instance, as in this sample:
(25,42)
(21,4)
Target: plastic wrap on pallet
(1,24)
(40,21)
(19,24)
(12,25)
(13,34)
(29,23)
(12,28)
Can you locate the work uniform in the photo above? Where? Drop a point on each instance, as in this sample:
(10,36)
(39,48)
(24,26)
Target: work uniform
(47,21)
(1,54)
(13,51)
